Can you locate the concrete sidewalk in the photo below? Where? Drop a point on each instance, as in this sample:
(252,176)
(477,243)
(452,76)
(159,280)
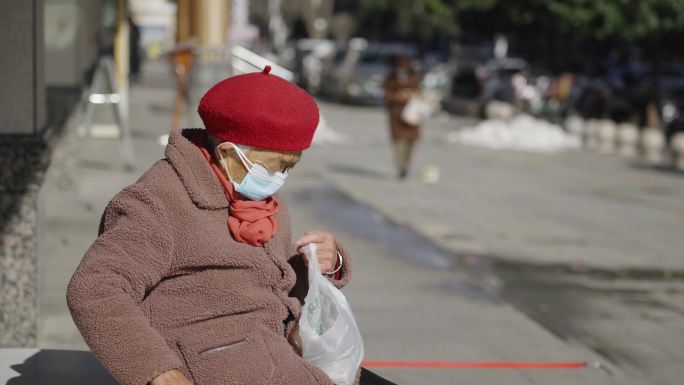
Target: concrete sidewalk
(577,209)
(407,309)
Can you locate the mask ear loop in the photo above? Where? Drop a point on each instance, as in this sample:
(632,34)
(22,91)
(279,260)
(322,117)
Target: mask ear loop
(243,156)
(246,162)
(252,168)
(224,163)
(257,170)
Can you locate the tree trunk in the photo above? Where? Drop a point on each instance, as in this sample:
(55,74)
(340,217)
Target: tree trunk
(653,108)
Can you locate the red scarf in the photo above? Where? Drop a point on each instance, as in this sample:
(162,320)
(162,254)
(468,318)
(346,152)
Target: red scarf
(251,222)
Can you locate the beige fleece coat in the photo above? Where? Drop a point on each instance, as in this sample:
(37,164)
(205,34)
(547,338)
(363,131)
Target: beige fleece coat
(165,285)
(393,87)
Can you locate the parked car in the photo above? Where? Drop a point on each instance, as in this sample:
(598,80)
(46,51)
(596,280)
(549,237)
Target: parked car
(357,72)
(672,112)
(497,78)
(464,94)
(310,56)
(472,88)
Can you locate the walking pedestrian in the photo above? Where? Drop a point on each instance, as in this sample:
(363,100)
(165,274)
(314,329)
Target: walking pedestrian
(194,278)
(401,84)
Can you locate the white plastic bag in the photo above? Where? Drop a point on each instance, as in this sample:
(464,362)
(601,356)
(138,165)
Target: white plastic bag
(331,340)
(416,110)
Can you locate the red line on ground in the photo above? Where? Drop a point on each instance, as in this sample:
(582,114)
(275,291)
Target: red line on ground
(457,364)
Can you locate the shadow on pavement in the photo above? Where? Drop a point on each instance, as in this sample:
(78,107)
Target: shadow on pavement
(669,170)
(364,222)
(61,367)
(358,171)
(96,165)
(573,302)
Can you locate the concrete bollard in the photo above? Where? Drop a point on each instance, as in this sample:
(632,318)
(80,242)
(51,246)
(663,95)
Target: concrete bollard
(606,136)
(628,139)
(499,110)
(574,125)
(653,144)
(677,145)
(591,135)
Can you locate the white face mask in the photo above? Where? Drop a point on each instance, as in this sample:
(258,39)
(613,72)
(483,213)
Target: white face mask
(259,183)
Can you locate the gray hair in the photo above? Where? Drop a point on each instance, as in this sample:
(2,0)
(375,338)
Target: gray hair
(213,142)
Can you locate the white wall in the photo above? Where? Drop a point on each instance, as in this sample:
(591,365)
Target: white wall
(70,39)
(22,95)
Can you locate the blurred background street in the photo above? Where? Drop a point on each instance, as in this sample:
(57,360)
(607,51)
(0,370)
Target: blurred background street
(540,218)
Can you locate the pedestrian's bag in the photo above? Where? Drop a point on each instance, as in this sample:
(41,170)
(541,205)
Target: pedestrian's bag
(416,110)
(331,340)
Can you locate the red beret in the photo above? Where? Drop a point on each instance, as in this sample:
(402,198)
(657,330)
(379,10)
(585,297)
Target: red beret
(260,110)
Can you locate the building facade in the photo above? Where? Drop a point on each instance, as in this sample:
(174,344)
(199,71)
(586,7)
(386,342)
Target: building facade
(46,51)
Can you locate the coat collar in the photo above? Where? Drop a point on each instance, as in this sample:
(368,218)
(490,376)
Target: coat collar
(195,173)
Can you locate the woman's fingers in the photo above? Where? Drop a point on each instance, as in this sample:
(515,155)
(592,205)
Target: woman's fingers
(171,377)
(325,248)
(312,237)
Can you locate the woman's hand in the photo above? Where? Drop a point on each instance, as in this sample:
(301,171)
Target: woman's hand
(325,248)
(405,95)
(171,377)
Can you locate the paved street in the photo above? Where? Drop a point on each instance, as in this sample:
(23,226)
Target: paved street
(509,257)
(574,208)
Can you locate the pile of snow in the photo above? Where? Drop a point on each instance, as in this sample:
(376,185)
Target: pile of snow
(522,133)
(326,135)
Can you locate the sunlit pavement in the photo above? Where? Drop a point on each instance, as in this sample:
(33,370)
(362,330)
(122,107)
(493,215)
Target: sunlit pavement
(425,286)
(587,245)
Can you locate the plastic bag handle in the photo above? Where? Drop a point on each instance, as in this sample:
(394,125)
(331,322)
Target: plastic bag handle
(310,252)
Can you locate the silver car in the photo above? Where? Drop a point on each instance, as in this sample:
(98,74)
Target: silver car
(357,72)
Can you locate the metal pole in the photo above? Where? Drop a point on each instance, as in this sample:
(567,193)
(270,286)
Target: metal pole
(121,57)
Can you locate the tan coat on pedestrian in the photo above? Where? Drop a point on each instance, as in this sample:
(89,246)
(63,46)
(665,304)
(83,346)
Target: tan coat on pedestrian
(165,285)
(397,95)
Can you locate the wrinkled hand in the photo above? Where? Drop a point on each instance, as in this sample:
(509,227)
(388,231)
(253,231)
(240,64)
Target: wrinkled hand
(325,248)
(171,377)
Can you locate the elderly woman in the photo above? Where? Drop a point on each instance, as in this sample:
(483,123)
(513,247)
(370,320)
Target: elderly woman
(193,277)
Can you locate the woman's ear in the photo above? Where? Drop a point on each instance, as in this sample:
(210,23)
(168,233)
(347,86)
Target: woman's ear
(236,168)
(232,162)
